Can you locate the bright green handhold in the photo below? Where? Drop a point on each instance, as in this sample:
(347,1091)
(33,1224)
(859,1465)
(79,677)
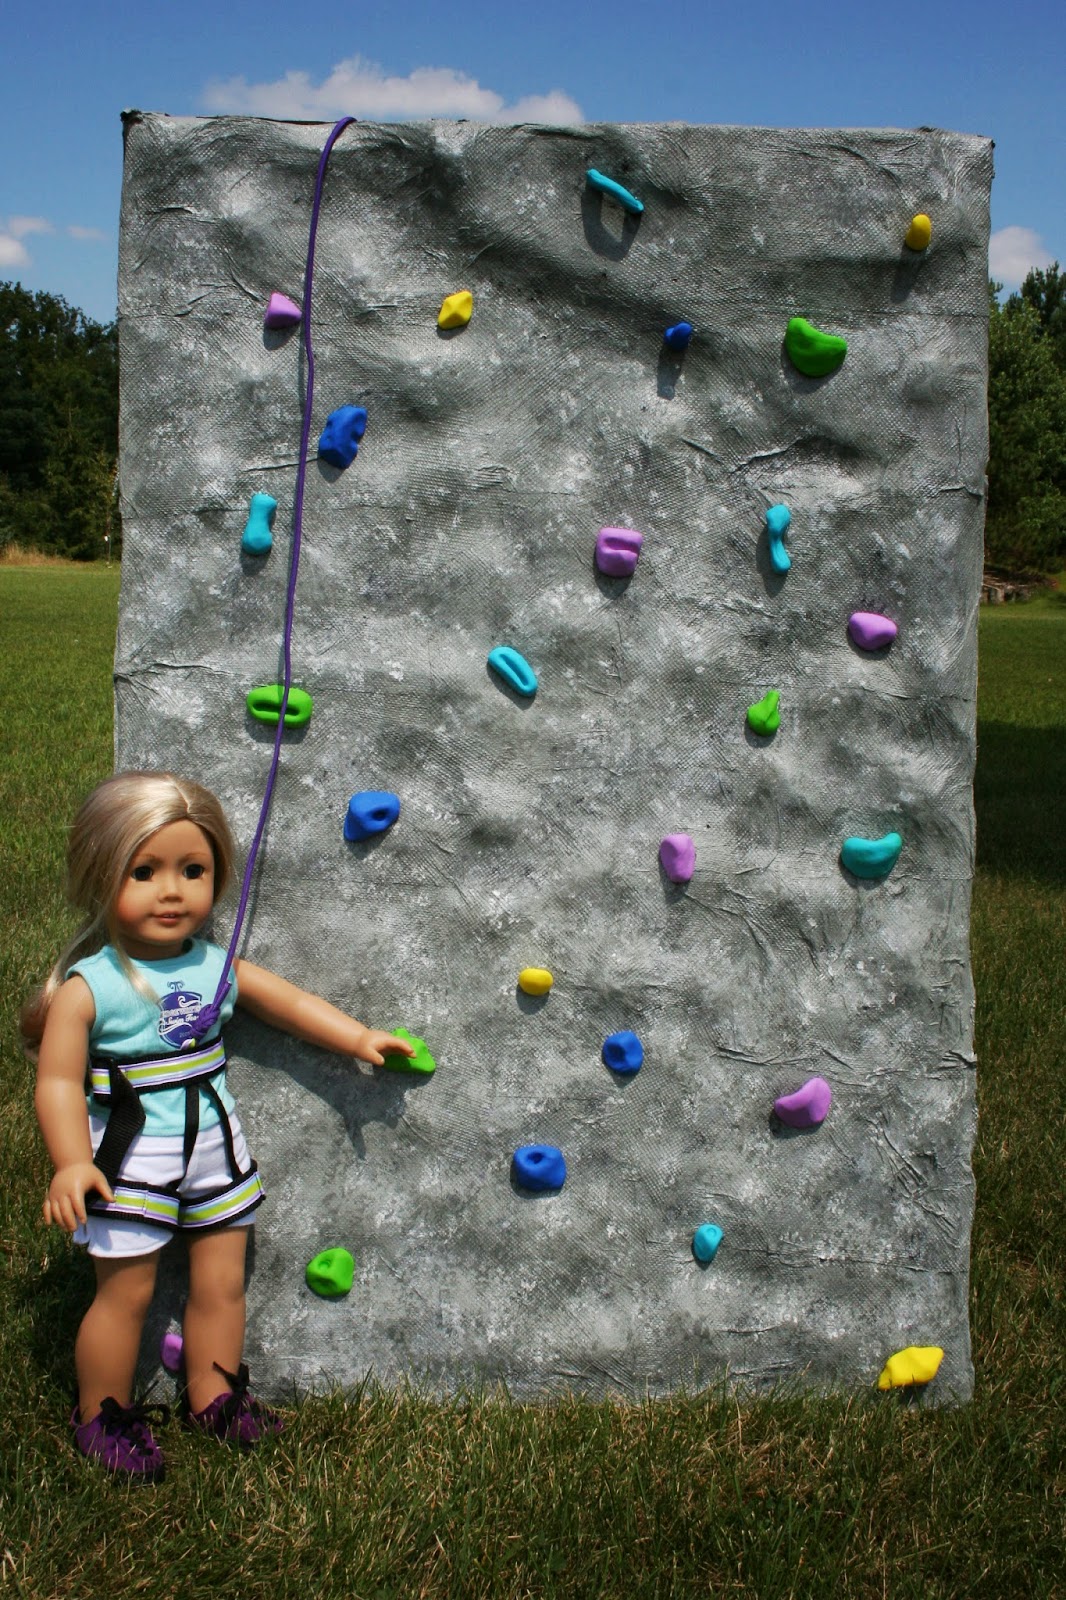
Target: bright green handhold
(421,1061)
(265,705)
(763,716)
(815,353)
(331,1273)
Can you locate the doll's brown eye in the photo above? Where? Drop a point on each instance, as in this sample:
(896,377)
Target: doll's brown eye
(194,870)
(142,874)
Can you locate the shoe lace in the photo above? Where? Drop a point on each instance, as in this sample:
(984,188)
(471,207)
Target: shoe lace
(239,1403)
(132,1422)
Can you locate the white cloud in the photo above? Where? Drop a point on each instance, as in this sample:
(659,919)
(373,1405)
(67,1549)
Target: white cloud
(1013,252)
(356,87)
(19,227)
(93,235)
(12,252)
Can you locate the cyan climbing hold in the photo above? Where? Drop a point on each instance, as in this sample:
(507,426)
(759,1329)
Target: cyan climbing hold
(172,1351)
(623,1052)
(615,190)
(870,630)
(705,1241)
(456,310)
(339,441)
(617,550)
(763,717)
(871,858)
(421,1062)
(919,233)
(281,312)
(513,669)
(813,352)
(370,811)
(539,1166)
(535,980)
(257,537)
(330,1273)
(265,705)
(778,519)
(677,336)
(807,1107)
(677,855)
(919,1363)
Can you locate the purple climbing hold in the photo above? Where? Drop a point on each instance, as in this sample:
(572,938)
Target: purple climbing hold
(172,1351)
(339,441)
(281,312)
(617,550)
(677,854)
(870,630)
(678,335)
(806,1108)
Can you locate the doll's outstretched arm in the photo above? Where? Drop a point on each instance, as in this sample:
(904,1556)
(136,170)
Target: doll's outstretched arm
(283,1005)
(61,1108)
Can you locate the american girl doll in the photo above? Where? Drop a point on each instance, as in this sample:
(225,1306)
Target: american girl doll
(135,1112)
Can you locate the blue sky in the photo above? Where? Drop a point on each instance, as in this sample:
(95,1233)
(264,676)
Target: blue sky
(67,70)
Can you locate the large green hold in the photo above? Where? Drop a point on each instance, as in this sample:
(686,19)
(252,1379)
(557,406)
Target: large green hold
(421,1062)
(331,1273)
(763,717)
(264,704)
(813,352)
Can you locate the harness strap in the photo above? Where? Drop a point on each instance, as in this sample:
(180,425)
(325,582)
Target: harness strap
(125,1121)
(157,1072)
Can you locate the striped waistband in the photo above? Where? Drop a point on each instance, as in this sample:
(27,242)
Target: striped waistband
(161,1072)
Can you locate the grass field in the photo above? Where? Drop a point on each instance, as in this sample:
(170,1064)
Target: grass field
(382,1494)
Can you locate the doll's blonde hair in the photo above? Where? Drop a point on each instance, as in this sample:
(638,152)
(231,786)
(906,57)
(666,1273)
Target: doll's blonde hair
(111,826)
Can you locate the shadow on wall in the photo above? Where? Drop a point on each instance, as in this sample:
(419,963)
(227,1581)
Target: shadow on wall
(1018,788)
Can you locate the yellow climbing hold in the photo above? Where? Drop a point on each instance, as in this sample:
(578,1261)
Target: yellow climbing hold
(535,980)
(919,1363)
(456,310)
(919,233)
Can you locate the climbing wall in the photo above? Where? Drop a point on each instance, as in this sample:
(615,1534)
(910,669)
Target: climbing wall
(816,948)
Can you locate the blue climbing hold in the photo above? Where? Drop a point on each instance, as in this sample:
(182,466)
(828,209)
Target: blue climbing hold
(623,1052)
(370,811)
(871,858)
(777,521)
(677,336)
(513,669)
(257,537)
(615,190)
(539,1166)
(705,1242)
(339,440)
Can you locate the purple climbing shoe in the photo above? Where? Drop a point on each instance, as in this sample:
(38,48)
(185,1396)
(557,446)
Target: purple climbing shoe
(121,1440)
(236,1418)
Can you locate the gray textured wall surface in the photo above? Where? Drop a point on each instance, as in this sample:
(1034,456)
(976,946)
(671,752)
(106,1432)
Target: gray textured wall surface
(530,830)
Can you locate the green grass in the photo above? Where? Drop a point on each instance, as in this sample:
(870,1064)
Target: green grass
(386,1494)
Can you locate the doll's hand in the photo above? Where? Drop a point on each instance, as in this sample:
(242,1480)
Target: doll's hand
(377,1041)
(65,1202)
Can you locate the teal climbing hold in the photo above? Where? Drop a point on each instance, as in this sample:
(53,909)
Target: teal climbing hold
(871,858)
(615,190)
(264,704)
(257,537)
(331,1273)
(778,519)
(705,1242)
(514,669)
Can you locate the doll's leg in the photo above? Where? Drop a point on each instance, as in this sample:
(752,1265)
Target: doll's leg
(109,1339)
(213,1328)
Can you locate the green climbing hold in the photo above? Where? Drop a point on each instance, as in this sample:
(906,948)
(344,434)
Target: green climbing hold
(814,353)
(763,716)
(421,1061)
(331,1273)
(265,705)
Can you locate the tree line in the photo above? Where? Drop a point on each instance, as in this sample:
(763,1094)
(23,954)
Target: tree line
(59,427)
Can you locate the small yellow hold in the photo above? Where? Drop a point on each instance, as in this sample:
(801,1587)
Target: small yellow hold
(456,310)
(919,1363)
(535,980)
(919,233)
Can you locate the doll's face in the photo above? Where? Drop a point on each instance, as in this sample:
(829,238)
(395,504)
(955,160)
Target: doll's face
(167,893)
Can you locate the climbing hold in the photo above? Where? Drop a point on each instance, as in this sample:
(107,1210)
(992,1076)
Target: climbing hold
(870,630)
(257,538)
(871,858)
(265,705)
(535,980)
(808,1107)
(617,550)
(281,312)
(456,310)
(919,233)
(919,1363)
(764,717)
(172,1351)
(777,522)
(330,1273)
(623,1052)
(677,336)
(339,441)
(705,1241)
(815,353)
(677,855)
(421,1062)
(539,1166)
(615,190)
(513,669)
(370,811)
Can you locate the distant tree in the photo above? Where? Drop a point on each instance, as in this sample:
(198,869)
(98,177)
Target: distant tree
(1044,291)
(1025,527)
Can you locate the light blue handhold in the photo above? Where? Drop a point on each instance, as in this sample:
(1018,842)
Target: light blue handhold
(539,1166)
(777,521)
(871,858)
(623,1052)
(615,190)
(339,441)
(705,1241)
(370,811)
(257,537)
(513,669)
(678,335)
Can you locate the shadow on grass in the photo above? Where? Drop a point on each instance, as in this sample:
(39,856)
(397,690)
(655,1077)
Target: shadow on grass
(1018,795)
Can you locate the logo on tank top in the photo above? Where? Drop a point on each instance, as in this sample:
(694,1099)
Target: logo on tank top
(178,1011)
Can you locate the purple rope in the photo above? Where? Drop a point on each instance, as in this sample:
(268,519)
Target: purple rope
(208,1016)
